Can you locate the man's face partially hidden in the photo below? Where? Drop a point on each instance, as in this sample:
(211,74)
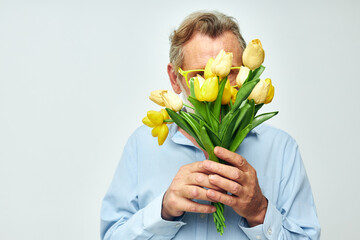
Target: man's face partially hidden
(200,48)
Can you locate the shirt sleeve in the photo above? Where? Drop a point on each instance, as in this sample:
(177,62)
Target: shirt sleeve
(121,217)
(293,216)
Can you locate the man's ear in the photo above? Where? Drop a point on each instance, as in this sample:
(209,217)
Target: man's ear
(172,76)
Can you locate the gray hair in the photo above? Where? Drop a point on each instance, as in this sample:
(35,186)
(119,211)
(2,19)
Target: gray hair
(212,24)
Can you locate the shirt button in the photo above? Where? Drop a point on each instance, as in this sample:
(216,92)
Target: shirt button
(258,237)
(178,225)
(202,215)
(269,231)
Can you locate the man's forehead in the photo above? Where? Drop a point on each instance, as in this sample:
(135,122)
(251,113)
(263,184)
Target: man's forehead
(201,47)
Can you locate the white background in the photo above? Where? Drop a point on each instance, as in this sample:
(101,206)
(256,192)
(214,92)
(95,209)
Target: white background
(74,83)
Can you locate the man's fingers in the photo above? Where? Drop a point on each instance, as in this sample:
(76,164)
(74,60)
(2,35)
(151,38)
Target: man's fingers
(226,184)
(226,171)
(232,158)
(194,192)
(202,180)
(221,197)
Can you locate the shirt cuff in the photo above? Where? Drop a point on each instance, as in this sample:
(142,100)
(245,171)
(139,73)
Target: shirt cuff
(270,229)
(154,223)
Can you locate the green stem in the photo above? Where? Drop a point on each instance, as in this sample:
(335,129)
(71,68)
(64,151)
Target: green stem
(168,120)
(189,106)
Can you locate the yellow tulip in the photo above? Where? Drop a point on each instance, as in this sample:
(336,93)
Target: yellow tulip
(156,97)
(233,94)
(222,64)
(271,92)
(242,76)
(165,114)
(155,117)
(226,94)
(172,100)
(260,92)
(206,90)
(147,122)
(208,73)
(253,55)
(162,134)
(198,82)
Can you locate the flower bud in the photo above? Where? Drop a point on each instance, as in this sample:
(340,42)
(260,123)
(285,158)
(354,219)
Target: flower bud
(206,90)
(222,64)
(155,117)
(208,73)
(271,92)
(198,82)
(253,55)
(147,122)
(234,92)
(156,97)
(260,92)
(164,131)
(172,100)
(226,94)
(242,76)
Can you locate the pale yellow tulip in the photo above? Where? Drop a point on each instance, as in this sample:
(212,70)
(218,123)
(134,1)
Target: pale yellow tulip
(156,97)
(260,92)
(222,64)
(242,76)
(253,55)
(172,100)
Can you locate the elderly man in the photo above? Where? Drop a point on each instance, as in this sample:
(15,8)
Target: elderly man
(164,192)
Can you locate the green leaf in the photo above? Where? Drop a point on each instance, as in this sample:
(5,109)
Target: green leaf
(200,108)
(217,105)
(254,74)
(257,108)
(213,136)
(257,72)
(209,146)
(245,110)
(244,92)
(194,125)
(249,115)
(226,136)
(262,118)
(239,137)
(181,123)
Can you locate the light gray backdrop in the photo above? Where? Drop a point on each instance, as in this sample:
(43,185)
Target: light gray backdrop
(74,83)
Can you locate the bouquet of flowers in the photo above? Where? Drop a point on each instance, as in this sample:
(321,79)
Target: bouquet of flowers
(223,114)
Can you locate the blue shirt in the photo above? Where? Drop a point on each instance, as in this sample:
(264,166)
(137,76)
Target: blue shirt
(131,208)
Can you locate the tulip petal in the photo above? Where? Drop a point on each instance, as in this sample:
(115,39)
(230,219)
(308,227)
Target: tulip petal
(198,82)
(210,89)
(208,73)
(226,94)
(260,92)
(155,117)
(156,97)
(155,131)
(172,100)
(162,134)
(147,122)
(253,55)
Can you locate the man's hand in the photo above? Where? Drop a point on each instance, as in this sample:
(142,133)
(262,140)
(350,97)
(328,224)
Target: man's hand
(240,179)
(188,184)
